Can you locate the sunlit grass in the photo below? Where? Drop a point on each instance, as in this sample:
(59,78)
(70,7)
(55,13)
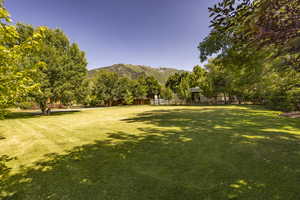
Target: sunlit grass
(151,152)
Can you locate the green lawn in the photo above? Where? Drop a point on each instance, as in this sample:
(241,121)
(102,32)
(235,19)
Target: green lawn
(147,152)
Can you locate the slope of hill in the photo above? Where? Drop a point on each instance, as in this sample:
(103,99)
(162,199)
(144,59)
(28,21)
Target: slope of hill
(135,71)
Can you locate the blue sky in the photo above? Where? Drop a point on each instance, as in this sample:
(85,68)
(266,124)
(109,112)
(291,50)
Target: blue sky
(147,32)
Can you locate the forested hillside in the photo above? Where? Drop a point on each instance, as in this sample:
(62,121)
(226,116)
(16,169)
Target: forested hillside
(136,71)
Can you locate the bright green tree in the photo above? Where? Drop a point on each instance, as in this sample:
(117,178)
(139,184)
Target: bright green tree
(124,91)
(64,67)
(167,93)
(15,76)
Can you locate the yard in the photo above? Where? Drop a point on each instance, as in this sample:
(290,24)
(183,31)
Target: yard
(151,152)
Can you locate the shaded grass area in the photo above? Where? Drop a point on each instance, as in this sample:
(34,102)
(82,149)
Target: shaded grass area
(28,114)
(158,153)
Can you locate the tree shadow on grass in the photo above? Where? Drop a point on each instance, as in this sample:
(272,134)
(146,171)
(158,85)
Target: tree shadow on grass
(24,115)
(241,122)
(212,154)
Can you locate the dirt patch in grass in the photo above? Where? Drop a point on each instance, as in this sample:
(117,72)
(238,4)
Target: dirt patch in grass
(291,114)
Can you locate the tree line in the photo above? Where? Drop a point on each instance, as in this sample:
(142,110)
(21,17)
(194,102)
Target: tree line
(39,65)
(253,54)
(107,88)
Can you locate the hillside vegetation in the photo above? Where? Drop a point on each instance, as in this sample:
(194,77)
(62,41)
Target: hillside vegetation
(135,71)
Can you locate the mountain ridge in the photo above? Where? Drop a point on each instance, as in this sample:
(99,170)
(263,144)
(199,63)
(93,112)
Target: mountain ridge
(135,71)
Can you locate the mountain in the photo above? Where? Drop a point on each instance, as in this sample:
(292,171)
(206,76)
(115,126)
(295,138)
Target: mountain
(135,71)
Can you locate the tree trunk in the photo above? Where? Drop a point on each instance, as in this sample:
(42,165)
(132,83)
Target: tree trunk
(110,103)
(48,111)
(298,106)
(225,100)
(229,99)
(241,99)
(43,107)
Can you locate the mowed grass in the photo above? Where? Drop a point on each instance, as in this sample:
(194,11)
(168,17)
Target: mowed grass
(148,152)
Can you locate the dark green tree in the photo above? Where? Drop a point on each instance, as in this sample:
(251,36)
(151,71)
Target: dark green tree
(180,84)
(139,88)
(105,88)
(255,24)
(153,87)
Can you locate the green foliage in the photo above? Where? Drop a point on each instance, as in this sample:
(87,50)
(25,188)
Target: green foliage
(167,93)
(15,75)
(128,97)
(255,24)
(39,63)
(105,87)
(26,104)
(263,22)
(202,79)
(153,86)
(139,88)
(180,84)
(184,89)
(208,80)
(108,88)
(3,113)
(61,76)
(256,44)
(173,81)
(213,44)
(293,97)
(124,90)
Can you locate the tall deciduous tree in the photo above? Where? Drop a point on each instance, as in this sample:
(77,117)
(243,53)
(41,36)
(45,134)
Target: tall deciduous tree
(139,88)
(180,84)
(63,70)
(15,76)
(153,87)
(167,93)
(257,43)
(105,88)
(124,90)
